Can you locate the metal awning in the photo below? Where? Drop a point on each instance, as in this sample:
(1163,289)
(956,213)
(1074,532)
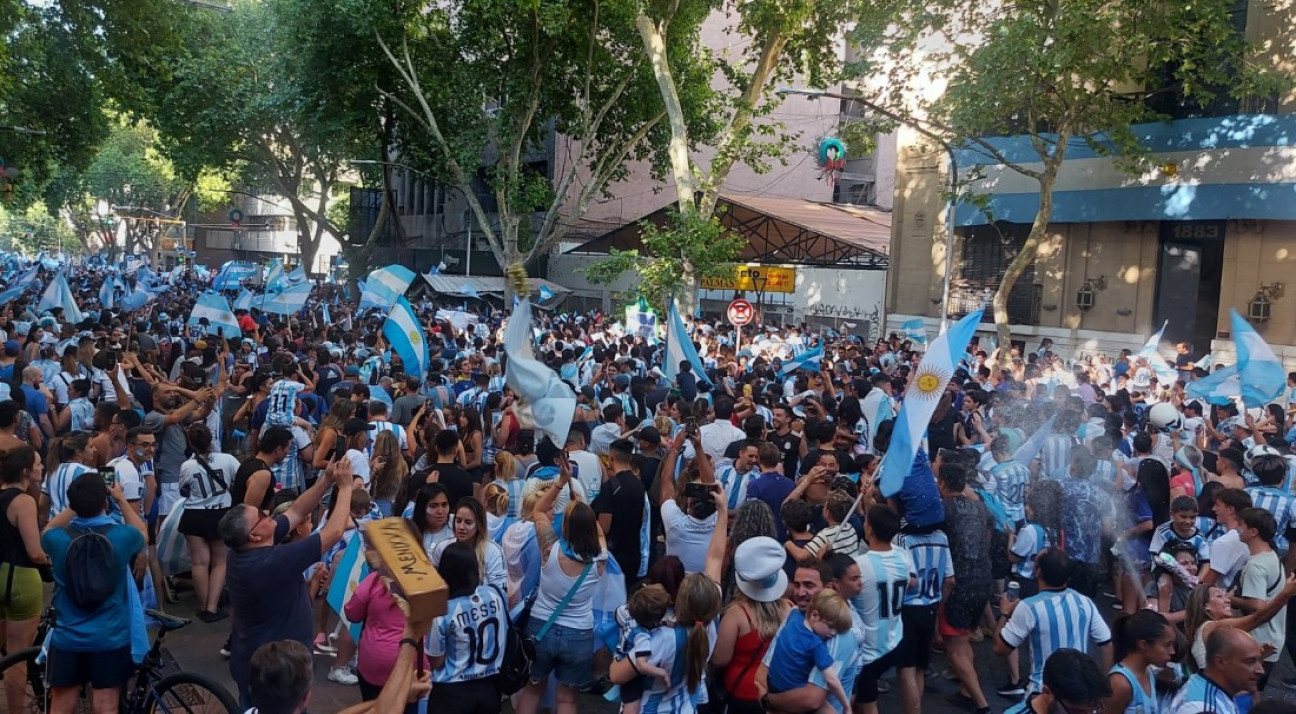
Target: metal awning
(783,231)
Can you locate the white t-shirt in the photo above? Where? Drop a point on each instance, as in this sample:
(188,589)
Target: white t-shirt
(132,477)
(687,538)
(717,436)
(1228,555)
(204,490)
(359,464)
(589,470)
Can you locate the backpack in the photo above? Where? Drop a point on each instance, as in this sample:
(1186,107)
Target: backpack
(90,568)
(519,653)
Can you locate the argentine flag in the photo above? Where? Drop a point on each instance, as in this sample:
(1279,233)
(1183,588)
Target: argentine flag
(1165,374)
(552,403)
(1219,387)
(287,302)
(232,273)
(136,300)
(324,313)
(915,331)
(679,347)
(296,277)
(28,278)
(384,286)
(1259,371)
(405,334)
(469,290)
(1027,452)
(926,388)
(244,300)
(220,318)
(106,296)
(545,293)
(274,277)
(808,360)
(58,294)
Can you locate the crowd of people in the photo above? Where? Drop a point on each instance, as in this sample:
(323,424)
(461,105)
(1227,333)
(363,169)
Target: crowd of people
(714,539)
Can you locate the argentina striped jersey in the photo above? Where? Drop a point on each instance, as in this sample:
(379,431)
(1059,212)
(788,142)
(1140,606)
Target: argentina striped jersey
(1050,621)
(929,554)
(471,637)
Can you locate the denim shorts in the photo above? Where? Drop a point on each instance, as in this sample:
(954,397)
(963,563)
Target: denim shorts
(565,651)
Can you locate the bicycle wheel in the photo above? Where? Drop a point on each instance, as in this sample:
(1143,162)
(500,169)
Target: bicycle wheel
(34,696)
(187,693)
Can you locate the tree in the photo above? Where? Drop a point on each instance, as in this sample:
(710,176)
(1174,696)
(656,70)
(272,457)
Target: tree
(485,87)
(781,39)
(236,104)
(1061,74)
(33,230)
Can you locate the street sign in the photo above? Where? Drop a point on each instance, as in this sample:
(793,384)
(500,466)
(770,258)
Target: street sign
(740,312)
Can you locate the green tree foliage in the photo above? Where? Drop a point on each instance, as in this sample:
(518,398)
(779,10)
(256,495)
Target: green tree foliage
(1063,74)
(32,230)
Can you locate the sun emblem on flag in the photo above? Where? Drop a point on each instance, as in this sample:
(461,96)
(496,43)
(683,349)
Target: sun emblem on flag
(414,337)
(929,382)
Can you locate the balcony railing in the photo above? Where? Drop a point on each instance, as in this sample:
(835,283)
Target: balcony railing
(1023,300)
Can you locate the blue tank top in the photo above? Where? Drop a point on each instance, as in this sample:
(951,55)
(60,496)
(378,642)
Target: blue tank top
(1141,702)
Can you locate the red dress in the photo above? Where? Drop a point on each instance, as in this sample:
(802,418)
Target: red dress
(739,675)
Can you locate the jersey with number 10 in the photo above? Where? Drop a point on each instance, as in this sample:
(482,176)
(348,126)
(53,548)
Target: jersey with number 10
(929,554)
(885,575)
(471,636)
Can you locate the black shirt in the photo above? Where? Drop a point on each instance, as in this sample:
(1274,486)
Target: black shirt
(623,497)
(238,491)
(458,483)
(790,446)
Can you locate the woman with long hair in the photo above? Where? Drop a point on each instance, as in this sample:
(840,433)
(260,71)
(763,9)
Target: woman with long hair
(466,685)
(1190,473)
(496,500)
(70,456)
(470,529)
(697,604)
(330,443)
(20,555)
(1143,640)
(470,436)
(562,616)
(206,478)
(389,472)
(753,617)
(521,548)
(1210,607)
(490,418)
(431,516)
(751,519)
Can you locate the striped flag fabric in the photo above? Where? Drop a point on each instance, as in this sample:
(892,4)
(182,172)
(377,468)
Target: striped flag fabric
(351,569)
(405,334)
(220,319)
(545,293)
(1030,448)
(244,300)
(679,347)
(324,313)
(385,285)
(274,276)
(106,296)
(1165,374)
(287,301)
(552,402)
(914,330)
(136,300)
(1219,387)
(59,295)
(296,277)
(1258,369)
(470,290)
(173,552)
(232,273)
(926,388)
(808,360)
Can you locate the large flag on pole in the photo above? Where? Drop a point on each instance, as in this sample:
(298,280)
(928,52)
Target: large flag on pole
(232,273)
(679,347)
(58,294)
(1165,374)
(244,300)
(405,334)
(106,297)
(808,360)
(1259,370)
(926,388)
(1219,387)
(136,300)
(915,331)
(552,402)
(385,285)
(274,277)
(296,277)
(220,319)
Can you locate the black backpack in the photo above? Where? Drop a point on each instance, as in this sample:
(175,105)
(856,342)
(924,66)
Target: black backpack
(90,573)
(519,653)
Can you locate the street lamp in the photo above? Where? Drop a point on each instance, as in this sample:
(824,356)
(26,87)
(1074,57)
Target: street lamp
(953,173)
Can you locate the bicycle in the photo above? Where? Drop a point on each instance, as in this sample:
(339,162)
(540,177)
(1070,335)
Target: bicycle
(150,691)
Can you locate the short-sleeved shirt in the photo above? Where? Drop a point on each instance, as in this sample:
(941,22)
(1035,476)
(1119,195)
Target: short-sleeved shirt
(1165,534)
(268,596)
(471,636)
(1052,620)
(1262,579)
(929,554)
(885,575)
(458,483)
(795,651)
(1228,555)
(772,488)
(687,538)
(171,445)
(623,497)
(108,627)
(1200,695)
(1283,507)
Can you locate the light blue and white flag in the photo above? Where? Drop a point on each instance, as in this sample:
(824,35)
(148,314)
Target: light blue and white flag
(926,388)
(808,360)
(1219,387)
(244,300)
(27,278)
(679,348)
(220,319)
(469,290)
(1030,448)
(1165,374)
(545,293)
(296,277)
(274,276)
(1259,370)
(915,331)
(351,569)
(136,300)
(174,277)
(287,302)
(550,401)
(232,273)
(1206,362)
(384,286)
(58,294)
(324,313)
(107,298)
(405,334)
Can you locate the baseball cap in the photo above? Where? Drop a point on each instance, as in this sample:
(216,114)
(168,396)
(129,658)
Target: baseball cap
(355,426)
(11,347)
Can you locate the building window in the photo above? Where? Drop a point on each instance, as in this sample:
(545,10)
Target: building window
(1168,98)
(987,251)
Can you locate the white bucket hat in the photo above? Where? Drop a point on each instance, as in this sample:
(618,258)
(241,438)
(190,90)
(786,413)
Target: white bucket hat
(758,569)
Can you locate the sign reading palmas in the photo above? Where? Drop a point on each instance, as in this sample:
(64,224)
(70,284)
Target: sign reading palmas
(750,277)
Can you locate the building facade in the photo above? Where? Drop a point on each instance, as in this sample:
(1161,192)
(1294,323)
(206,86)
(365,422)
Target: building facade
(1209,226)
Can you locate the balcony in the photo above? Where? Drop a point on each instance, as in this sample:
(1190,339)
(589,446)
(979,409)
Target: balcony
(1023,300)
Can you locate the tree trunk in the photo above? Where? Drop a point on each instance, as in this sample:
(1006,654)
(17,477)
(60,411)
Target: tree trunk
(1028,252)
(680,164)
(389,191)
